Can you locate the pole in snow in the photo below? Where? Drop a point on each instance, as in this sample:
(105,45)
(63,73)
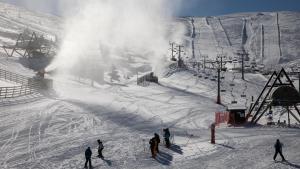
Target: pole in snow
(212,129)
(219,95)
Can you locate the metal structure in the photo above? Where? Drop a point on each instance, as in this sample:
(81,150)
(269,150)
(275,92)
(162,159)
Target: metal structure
(30,45)
(24,87)
(244,56)
(220,68)
(277,92)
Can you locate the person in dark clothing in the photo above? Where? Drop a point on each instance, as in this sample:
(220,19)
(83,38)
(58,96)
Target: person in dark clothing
(88,156)
(278,149)
(156,136)
(152,143)
(167,137)
(100,148)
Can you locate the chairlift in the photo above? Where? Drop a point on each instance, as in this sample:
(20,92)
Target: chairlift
(224,69)
(261,66)
(223,90)
(255,69)
(243,95)
(234,102)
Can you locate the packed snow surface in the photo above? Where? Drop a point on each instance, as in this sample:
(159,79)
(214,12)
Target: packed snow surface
(54,129)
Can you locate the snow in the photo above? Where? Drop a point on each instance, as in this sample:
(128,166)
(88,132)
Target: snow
(4,83)
(52,130)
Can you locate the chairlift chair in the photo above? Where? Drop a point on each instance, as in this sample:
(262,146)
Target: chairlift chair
(224,69)
(233,102)
(223,90)
(243,95)
(231,84)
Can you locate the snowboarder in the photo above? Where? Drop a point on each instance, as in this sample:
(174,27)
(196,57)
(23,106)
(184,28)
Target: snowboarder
(100,148)
(167,137)
(157,139)
(88,155)
(278,149)
(152,143)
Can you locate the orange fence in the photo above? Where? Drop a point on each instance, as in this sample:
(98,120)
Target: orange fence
(221,117)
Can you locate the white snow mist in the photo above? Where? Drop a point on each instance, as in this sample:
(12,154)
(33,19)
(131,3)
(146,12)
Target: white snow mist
(108,32)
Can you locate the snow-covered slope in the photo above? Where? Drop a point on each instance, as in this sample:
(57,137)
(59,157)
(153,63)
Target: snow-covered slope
(53,131)
(271,37)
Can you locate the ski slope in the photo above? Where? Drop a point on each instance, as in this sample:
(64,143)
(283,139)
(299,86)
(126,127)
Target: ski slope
(52,130)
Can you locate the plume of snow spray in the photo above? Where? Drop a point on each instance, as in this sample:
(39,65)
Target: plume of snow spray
(107,32)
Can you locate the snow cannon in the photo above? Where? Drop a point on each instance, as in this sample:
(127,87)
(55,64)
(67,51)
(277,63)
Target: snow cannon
(150,77)
(40,82)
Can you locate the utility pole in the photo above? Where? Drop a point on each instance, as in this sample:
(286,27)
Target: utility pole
(242,54)
(219,94)
(180,61)
(219,61)
(204,61)
(172,51)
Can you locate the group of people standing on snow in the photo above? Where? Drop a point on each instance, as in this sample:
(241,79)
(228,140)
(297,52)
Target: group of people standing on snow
(88,154)
(154,142)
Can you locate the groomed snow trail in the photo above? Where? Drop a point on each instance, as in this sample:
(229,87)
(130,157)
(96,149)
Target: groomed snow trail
(54,132)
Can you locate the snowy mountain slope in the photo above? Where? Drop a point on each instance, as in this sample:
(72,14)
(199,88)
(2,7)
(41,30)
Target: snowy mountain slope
(272,38)
(54,130)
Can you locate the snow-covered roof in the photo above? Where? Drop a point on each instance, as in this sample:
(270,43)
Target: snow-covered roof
(236,107)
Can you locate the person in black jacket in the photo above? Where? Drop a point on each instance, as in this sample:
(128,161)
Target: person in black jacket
(167,137)
(88,156)
(156,136)
(278,149)
(100,148)
(152,143)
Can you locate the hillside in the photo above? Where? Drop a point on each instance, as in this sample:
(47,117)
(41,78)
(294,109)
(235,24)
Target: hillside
(52,129)
(271,38)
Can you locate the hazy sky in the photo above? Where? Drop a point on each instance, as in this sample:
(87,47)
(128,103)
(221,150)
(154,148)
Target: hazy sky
(187,7)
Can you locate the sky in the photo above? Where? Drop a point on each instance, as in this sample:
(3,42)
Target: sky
(187,7)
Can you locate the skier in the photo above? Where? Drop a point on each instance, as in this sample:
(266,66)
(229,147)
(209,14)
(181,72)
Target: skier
(278,149)
(167,137)
(100,148)
(157,139)
(88,155)
(152,143)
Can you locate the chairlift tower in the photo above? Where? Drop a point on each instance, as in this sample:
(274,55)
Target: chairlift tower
(172,44)
(219,61)
(180,51)
(243,54)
